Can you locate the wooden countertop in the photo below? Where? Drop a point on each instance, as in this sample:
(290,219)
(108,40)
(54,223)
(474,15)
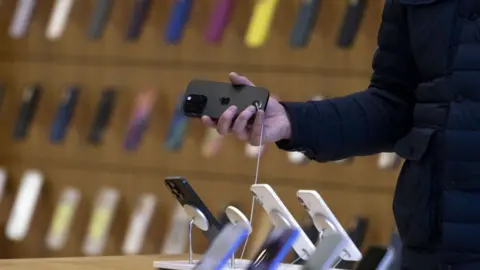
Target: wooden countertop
(142,262)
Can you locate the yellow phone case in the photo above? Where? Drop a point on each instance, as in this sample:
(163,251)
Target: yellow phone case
(260,23)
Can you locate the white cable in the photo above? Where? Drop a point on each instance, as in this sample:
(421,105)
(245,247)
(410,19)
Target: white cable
(257,169)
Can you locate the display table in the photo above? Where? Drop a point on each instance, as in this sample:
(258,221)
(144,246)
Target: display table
(142,262)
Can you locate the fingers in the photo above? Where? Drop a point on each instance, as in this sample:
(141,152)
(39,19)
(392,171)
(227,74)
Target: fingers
(237,79)
(207,121)
(240,125)
(256,131)
(225,121)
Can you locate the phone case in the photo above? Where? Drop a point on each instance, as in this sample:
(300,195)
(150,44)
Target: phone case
(272,204)
(176,238)
(30,100)
(59,18)
(219,20)
(179,17)
(102,116)
(351,23)
(138,19)
(23,208)
(185,194)
(22,17)
(260,22)
(178,128)
(219,96)
(105,206)
(304,23)
(139,222)
(139,122)
(62,220)
(99,19)
(315,205)
(64,114)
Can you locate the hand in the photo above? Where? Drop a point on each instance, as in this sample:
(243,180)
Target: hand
(276,122)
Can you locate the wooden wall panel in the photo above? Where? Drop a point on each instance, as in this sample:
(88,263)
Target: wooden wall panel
(321,68)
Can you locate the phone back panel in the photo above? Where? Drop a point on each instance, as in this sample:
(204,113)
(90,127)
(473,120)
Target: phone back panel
(241,96)
(190,197)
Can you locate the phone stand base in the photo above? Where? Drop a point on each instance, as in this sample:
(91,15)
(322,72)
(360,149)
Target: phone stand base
(240,264)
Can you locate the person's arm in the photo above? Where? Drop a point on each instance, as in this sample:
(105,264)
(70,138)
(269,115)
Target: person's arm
(366,122)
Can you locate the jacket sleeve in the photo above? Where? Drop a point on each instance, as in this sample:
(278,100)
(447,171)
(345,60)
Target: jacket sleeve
(366,122)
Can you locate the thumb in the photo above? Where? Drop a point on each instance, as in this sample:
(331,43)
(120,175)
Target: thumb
(237,79)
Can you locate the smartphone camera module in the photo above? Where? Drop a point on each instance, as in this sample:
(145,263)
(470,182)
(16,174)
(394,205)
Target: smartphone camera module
(194,105)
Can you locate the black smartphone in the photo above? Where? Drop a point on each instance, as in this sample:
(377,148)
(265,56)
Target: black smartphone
(374,257)
(185,194)
(277,245)
(213,98)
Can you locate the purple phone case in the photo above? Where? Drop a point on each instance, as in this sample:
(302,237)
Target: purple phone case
(219,20)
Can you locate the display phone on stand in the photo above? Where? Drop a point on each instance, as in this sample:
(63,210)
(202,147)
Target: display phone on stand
(23,209)
(213,98)
(186,195)
(277,245)
(222,247)
(378,258)
(281,217)
(316,207)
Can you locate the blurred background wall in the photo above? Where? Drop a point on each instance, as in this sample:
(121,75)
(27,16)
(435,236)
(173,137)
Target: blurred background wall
(353,189)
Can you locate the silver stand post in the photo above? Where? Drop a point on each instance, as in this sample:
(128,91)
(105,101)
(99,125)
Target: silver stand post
(190,244)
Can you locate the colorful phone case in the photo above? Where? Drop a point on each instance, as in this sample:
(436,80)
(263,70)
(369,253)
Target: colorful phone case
(304,23)
(219,20)
(31,98)
(178,128)
(140,119)
(351,23)
(59,18)
(138,19)
(179,16)
(99,19)
(64,114)
(260,22)
(102,116)
(22,17)
(63,218)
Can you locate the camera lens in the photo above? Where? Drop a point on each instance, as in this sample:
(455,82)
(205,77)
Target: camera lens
(194,105)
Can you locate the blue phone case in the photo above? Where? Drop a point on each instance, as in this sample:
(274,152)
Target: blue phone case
(178,128)
(304,23)
(64,114)
(179,16)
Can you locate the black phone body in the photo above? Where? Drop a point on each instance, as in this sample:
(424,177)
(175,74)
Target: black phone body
(213,98)
(185,194)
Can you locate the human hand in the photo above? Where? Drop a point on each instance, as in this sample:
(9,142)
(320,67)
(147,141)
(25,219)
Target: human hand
(274,118)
